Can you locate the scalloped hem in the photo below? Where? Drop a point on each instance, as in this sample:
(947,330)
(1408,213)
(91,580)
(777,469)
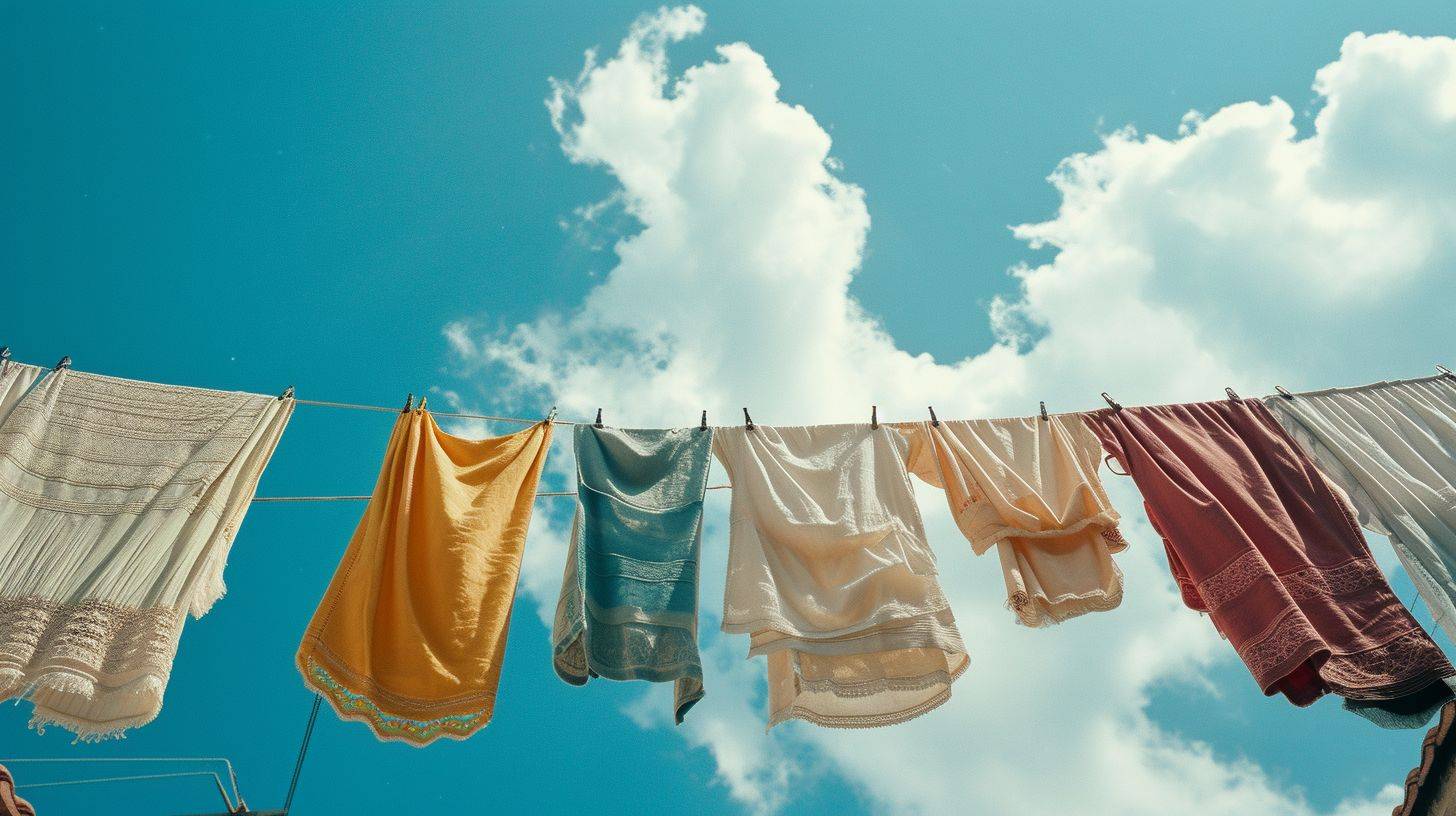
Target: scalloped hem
(352,706)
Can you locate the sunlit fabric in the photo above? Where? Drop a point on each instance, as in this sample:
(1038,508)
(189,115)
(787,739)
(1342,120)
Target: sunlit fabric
(628,608)
(410,635)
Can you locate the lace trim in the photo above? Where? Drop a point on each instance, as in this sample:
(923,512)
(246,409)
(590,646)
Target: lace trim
(91,653)
(1268,654)
(1400,666)
(1234,578)
(797,712)
(102,637)
(350,705)
(367,687)
(639,651)
(1413,660)
(880,685)
(1345,579)
(1038,611)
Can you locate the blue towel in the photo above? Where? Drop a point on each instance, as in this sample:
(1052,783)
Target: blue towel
(629,599)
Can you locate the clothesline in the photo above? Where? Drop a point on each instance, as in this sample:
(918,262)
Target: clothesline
(1442,371)
(354,406)
(231,802)
(280,499)
(829,562)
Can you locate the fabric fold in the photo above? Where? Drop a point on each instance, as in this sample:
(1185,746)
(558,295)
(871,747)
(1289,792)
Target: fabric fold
(1260,539)
(15,380)
(1028,487)
(119,501)
(830,575)
(1391,447)
(410,635)
(628,608)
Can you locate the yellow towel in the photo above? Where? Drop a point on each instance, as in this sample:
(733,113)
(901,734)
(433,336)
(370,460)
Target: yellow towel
(410,635)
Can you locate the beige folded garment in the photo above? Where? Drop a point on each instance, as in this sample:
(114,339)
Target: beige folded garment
(830,574)
(1029,487)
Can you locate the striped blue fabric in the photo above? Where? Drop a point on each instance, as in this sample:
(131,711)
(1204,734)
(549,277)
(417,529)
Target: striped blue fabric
(628,608)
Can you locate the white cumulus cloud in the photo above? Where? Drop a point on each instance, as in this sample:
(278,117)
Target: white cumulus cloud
(1182,264)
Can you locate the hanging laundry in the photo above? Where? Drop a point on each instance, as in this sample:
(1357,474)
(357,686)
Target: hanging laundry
(629,597)
(830,574)
(1259,539)
(410,635)
(119,501)
(1392,448)
(1029,488)
(15,380)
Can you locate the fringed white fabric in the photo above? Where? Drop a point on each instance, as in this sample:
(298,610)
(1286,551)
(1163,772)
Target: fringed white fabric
(830,574)
(118,503)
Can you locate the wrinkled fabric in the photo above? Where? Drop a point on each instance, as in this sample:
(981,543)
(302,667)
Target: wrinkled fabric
(1392,447)
(410,635)
(628,608)
(1259,539)
(830,575)
(119,501)
(1029,488)
(15,380)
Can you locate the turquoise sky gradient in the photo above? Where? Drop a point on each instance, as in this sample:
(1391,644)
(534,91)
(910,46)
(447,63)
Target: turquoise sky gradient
(258,195)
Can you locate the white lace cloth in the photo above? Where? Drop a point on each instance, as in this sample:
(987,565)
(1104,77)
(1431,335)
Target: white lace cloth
(830,574)
(118,503)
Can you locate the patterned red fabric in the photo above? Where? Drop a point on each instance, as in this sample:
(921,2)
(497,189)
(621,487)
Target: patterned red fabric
(1262,542)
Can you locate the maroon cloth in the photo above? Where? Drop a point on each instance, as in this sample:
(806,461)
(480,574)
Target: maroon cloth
(1269,548)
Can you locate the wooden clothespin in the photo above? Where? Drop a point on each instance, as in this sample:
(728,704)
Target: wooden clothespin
(934,420)
(1444,371)
(1283,393)
(1111,402)
(1231,394)
(551,417)
(64,363)
(874,417)
(704,425)
(598,423)
(747,420)
(409,401)
(287,394)
(1044,416)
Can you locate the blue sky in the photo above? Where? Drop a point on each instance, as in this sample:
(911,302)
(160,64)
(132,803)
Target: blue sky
(368,199)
